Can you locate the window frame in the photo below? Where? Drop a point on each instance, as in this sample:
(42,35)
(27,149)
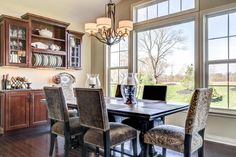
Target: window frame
(109,68)
(218,61)
(143,4)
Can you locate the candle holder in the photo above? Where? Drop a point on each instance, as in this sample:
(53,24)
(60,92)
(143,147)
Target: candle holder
(93,81)
(28,85)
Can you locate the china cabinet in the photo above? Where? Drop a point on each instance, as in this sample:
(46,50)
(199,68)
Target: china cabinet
(15,40)
(74,41)
(48,41)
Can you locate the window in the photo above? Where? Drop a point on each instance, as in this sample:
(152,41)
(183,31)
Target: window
(163,8)
(118,65)
(165,56)
(221,58)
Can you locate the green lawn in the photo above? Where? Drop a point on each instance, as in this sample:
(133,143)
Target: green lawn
(174,95)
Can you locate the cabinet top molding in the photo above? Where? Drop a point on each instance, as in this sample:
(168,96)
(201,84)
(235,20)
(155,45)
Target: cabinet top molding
(30,16)
(3,16)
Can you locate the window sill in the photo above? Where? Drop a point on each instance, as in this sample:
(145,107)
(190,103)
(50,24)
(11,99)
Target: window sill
(223,113)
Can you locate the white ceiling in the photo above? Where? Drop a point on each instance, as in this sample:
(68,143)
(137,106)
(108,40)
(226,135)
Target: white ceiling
(80,11)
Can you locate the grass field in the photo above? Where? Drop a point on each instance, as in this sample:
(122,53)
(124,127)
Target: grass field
(174,95)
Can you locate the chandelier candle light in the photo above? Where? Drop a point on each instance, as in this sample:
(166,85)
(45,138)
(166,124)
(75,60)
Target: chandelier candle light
(104,28)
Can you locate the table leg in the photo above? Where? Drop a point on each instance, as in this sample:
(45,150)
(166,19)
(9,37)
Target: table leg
(146,125)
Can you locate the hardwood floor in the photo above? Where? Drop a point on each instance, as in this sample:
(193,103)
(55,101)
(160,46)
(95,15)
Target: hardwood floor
(35,143)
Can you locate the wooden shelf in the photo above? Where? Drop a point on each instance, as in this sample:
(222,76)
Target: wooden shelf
(46,38)
(62,53)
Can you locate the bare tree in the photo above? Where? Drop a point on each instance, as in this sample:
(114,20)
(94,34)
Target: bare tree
(158,44)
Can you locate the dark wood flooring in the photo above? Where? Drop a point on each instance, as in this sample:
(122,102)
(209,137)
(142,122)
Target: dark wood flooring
(35,143)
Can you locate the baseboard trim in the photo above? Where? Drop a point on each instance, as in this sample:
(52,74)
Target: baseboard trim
(222,140)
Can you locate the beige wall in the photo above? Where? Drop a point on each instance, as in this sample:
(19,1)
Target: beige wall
(41,77)
(221,129)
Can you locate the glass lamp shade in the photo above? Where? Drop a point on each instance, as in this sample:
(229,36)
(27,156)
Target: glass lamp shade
(126,25)
(91,28)
(129,88)
(103,22)
(93,81)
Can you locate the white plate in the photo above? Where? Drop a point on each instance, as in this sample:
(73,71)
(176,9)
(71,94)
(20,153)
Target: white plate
(34,60)
(45,60)
(60,61)
(40,56)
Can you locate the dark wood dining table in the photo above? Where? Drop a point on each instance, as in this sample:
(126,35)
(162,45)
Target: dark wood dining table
(145,111)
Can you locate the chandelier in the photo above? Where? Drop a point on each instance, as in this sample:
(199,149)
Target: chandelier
(105,30)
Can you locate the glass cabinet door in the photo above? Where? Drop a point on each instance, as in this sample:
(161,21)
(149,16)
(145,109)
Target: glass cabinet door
(75,52)
(17,45)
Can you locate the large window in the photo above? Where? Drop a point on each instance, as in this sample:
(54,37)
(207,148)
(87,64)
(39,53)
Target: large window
(166,56)
(221,58)
(162,8)
(118,65)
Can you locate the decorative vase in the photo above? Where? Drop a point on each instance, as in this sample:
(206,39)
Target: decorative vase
(93,81)
(129,88)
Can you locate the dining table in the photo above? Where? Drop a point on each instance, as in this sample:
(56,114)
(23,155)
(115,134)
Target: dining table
(144,111)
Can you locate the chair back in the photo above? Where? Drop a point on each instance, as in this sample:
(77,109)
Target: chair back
(118,91)
(92,108)
(57,107)
(198,110)
(153,92)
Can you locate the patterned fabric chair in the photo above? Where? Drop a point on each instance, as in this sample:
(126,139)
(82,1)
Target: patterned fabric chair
(65,81)
(189,139)
(61,124)
(101,133)
(150,92)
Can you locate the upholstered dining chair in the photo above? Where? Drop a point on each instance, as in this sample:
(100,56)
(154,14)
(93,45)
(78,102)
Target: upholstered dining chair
(185,140)
(150,92)
(101,133)
(65,81)
(61,124)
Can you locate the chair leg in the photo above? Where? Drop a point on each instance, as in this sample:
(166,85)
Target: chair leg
(67,146)
(84,150)
(146,150)
(201,151)
(52,142)
(163,152)
(134,145)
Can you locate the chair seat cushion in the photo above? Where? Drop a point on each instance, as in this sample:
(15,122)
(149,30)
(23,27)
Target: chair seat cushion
(75,127)
(171,137)
(119,133)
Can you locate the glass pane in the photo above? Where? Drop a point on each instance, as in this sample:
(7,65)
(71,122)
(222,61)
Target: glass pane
(232,47)
(112,90)
(188,4)
(232,24)
(218,49)
(219,97)
(218,74)
(152,11)
(115,48)
(114,61)
(169,68)
(114,76)
(218,26)
(122,74)
(124,44)
(174,6)
(124,58)
(163,8)
(232,83)
(142,14)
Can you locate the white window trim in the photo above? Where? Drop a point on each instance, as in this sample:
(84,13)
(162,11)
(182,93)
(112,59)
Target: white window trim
(203,16)
(145,3)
